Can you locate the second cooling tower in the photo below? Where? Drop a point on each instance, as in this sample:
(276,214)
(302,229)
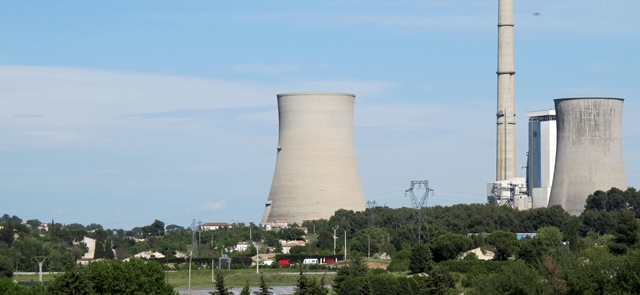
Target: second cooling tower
(316,172)
(589,152)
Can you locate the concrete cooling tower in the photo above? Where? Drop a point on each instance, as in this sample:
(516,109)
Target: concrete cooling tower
(589,151)
(316,171)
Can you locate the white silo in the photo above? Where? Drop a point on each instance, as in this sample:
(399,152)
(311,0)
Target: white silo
(316,172)
(589,151)
(541,156)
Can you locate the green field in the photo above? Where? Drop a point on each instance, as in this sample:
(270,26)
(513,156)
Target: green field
(201,279)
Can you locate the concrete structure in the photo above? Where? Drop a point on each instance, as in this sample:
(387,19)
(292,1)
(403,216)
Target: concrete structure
(316,171)
(589,152)
(511,192)
(506,113)
(541,158)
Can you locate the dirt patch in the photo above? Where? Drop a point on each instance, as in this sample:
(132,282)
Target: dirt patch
(377,264)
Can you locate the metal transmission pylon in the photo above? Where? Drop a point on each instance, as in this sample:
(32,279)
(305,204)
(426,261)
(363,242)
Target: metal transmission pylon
(371,205)
(194,240)
(418,204)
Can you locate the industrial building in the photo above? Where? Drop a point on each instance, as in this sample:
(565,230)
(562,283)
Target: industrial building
(589,150)
(507,189)
(316,172)
(511,192)
(541,158)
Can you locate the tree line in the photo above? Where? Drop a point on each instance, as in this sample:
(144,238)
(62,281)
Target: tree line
(569,254)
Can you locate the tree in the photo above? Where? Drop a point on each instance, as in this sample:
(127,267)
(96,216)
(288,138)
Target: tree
(264,289)
(245,289)
(173,227)
(220,289)
(514,278)
(400,261)
(440,281)
(6,267)
(627,277)
(421,260)
(73,281)
(6,235)
(505,243)
(94,226)
(7,286)
(351,279)
(625,232)
(550,236)
(309,286)
(154,229)
(449,246)
(128,277)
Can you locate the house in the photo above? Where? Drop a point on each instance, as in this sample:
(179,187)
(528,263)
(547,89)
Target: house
(287,245)
(181,254)
(137,240)
(43,227)
(264,259)
(277,224)
(149,254)
(242,246)
(214,225)
(91,251)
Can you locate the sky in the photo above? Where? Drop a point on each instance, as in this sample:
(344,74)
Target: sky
(123,112)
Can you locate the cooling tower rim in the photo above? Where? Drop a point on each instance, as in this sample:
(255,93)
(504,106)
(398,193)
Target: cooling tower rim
(586,98)
(315,94)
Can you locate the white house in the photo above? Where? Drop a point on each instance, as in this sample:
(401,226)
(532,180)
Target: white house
(287,245)
(214,225)
(278,224)
(149,254)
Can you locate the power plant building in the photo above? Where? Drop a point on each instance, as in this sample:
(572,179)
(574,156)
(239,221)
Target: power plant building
(316,172)
(541,158)
(589,150)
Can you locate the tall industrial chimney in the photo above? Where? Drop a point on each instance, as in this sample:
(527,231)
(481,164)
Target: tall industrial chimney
(506,114)
(589,152)
(316,172)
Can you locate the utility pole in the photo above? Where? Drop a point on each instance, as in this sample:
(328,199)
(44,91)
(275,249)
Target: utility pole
(369,246)
(345,245)
(257,258)
(40,260)
(335,237)
(190,257)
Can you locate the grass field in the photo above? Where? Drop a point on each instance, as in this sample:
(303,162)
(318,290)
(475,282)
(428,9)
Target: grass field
(201,279)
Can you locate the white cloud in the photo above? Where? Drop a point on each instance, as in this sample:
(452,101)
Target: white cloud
(75,104)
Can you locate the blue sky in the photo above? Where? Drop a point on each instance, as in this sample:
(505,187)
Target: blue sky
(121,112)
